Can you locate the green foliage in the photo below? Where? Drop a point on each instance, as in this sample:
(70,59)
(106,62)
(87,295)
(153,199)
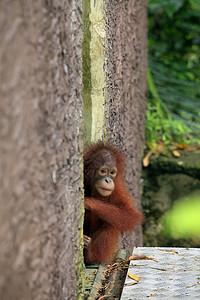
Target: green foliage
(174,72)
(169,6)
(164,129)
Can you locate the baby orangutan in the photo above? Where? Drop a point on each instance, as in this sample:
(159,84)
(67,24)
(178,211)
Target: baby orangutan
(109,209)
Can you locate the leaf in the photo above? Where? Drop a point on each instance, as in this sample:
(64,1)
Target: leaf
(130,283)
(137,257)
(170,6)
(134,277)
(174,251)
(198,282)
(176,153)
(146,158)
(182,146)
(195,3)
(161,146)
(104,297)
(173,6)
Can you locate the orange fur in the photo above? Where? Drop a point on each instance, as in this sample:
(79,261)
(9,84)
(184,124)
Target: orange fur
(106,217)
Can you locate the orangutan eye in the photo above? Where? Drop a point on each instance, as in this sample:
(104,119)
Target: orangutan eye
(102,171)
(113,172)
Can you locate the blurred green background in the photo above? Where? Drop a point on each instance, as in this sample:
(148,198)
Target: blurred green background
(173,113)
(183,220)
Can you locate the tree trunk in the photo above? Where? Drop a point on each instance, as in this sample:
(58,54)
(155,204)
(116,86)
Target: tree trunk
(41,150)
(41,125)
(114,78)
(126,90)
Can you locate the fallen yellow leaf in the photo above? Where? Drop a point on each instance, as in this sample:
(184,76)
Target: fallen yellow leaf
(135,257)
(146,158)
(176,153)
(134,277)
(182,146)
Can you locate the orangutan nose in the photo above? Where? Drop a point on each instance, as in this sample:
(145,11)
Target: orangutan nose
(108,180)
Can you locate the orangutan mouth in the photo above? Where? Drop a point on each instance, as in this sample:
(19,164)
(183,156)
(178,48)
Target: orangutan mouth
(107,190)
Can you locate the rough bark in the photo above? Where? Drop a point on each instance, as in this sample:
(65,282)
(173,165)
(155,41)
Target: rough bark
(41,149)
(126,89)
